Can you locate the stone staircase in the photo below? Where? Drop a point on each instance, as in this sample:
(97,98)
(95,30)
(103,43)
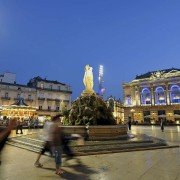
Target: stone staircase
(139,142)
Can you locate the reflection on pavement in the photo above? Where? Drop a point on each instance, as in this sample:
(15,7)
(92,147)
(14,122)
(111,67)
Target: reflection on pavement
(171,133)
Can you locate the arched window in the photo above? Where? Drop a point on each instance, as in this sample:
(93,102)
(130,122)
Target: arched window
(145,96)
(160,96)
(175,94)
(128,100)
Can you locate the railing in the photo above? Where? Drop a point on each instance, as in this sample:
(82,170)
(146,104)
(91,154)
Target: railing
(50,99)
(42,99)
(49,110)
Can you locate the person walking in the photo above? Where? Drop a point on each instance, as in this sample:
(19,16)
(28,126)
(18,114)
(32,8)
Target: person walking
(47,138)
(129,122)
(162,124)
(19,126)
(56,144)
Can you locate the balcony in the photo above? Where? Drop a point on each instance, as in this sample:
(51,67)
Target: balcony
(41,99)
(5,98)
(48,110)
(57,100)
(50,99)
(67,101)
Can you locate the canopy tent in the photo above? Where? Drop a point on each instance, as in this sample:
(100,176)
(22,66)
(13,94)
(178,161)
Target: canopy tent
(18,110)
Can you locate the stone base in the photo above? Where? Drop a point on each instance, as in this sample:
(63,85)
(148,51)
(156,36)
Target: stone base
(97,132)
(87,92)
(107,132)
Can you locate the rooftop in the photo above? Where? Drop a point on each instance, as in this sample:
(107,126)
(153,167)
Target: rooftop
(150,73)
(39,79)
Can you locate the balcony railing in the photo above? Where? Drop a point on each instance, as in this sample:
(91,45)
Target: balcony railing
(57,100)
(50,99)
(41,99)
(49,110)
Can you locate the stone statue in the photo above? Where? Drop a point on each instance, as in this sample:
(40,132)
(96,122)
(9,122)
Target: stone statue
(88,80)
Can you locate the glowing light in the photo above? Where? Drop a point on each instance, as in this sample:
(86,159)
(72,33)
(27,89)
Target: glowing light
(101,70)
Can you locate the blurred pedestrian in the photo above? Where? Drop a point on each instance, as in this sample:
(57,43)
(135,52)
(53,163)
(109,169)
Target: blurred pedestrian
(47,138)
(162,124)
(129,122)
(57,144)
(29,123)
(19,126)
(36,123)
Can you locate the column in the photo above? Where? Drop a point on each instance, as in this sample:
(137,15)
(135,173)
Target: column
(167,94)
(152,96)
(137,95)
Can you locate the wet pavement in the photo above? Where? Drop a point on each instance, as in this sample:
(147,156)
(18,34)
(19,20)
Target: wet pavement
(145,165)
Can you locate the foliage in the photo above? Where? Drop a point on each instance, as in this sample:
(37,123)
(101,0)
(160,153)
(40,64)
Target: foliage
(90,109)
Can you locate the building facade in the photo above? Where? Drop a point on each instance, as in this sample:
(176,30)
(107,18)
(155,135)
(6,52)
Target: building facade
(152,96)
(117,109)
(49,97)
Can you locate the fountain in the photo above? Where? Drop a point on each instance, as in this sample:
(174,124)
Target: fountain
(90,113)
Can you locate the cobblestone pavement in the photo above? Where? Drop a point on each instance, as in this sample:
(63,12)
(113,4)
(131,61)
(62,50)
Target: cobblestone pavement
(163,164)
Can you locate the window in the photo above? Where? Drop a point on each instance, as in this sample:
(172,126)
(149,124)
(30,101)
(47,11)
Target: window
(29,96)
(128,100)
(59,88)
(40,107)
(42,86)
(6,95)
(177,112)
(57,108)
(49,107)
(50,87)
(145,96)
(147,116)
(175,94)
(160,97)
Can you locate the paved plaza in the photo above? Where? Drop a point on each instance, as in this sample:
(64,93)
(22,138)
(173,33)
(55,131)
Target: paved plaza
(161,164)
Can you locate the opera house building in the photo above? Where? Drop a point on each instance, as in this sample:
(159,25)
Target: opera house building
(152,96)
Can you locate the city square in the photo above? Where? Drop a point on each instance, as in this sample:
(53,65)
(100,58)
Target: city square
(89,90)
(149,164)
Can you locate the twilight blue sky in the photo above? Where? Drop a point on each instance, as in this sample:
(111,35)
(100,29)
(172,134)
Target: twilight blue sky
(57,38)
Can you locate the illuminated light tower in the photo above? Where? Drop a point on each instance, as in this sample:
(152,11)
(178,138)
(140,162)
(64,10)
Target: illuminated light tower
(101,81)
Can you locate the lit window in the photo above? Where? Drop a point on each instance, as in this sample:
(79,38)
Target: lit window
(145,96)
(128,100)
(175,94)
(42,86)
(160,97)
